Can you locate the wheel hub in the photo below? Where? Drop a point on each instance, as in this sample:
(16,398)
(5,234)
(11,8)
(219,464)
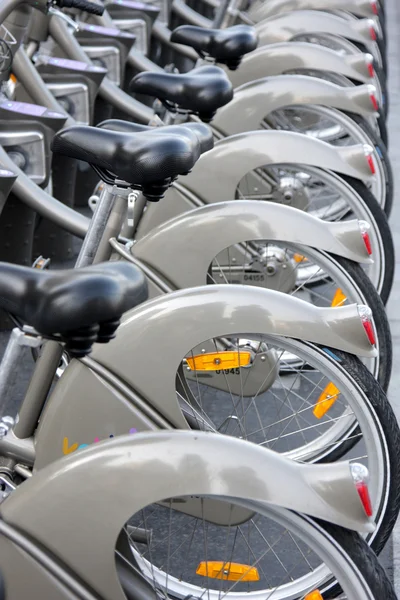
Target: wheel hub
(291,191)
(275,267)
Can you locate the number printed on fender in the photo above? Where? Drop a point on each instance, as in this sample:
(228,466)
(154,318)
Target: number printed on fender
(228,371)
(254,277)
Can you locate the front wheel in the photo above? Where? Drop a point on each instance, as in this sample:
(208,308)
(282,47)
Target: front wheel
(338,129)
(331,197)
(269,552)
(345,46)
(312,275)
(378,80)
(310,403)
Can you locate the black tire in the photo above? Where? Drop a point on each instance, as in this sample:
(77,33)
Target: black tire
(374,404)
(373,300)
(364,559)
(383,411)
(381,47)
(384,109)
(382,81)
(382,15)
(381,149)
(382,223)
(383,132)
(382,22)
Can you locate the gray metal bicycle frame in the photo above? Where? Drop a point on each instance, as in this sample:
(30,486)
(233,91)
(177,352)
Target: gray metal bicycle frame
(111,210)
(263,10)
(280,58)
(167,464)
(275,92)
(45,204)
(287,26)
(46,366)
(234,157)
(95,248)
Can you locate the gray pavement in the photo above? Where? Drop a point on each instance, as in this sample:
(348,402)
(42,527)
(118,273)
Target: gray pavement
(393,30)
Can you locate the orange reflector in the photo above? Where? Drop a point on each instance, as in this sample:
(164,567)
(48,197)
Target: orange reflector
(326,400)
(229,571)
(339,298)
(214,361)
(13,78)
(315,595)
(299,258)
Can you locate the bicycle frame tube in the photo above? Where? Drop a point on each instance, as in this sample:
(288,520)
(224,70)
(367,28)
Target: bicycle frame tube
(113,226)
(108,90)
(6,8)
(97,226)
(8,373)
(44,204)
(25,72)
(106,223)
(220,13)
(39,387)
(188,15)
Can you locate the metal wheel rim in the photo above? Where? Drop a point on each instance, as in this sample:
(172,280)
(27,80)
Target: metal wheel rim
(357,411)
(337,568)
(341,80)
(359,136)
(359,210)
(342,280)
(340,44)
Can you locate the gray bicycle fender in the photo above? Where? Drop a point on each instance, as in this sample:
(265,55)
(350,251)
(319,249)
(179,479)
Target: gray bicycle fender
(155,337)
(263,10)
(34,564)
(288,26)
(130,383)
(278,59)
(284,27)
(272,93)
(218,172)
(146,468)
(183,248)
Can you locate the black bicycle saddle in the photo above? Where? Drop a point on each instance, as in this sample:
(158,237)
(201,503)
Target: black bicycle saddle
(203,132)
(147,159)
(201,91)
(225,46)
(83,306)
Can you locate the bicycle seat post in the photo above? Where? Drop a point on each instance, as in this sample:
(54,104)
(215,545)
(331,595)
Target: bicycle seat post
(51,355)
(221,13)
(12,356)
(123,206)
(97,226)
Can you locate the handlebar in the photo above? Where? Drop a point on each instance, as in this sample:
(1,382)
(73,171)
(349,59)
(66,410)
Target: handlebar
(85,5)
